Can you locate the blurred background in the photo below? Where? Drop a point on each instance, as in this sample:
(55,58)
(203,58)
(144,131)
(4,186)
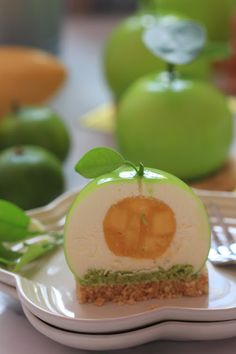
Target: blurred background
(44,24)
(39,22)
(77,33)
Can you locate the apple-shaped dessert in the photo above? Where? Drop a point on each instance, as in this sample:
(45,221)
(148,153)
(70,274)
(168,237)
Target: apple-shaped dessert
(132,233)
(174,123)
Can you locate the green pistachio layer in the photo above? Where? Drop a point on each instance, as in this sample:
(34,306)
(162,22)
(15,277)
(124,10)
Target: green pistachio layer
(101,276)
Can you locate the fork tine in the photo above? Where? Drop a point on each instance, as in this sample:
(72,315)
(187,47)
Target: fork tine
(221,222)
(222,239)
(215,239)
(233,248)
(218,244)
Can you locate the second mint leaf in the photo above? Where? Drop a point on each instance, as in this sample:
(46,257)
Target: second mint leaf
(14,222)
(175,41)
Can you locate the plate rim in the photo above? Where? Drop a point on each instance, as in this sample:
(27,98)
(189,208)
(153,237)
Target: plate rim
(140,336)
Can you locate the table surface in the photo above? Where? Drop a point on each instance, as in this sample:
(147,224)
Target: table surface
(81,51)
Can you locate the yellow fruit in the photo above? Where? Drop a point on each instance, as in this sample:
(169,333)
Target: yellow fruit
(28,76)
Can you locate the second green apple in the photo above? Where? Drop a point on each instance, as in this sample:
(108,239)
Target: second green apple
(181,126)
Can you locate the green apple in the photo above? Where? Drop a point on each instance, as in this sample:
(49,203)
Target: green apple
(30,176)
(127,59)
(214,14)
(181,126)
(35,126)
(103,249)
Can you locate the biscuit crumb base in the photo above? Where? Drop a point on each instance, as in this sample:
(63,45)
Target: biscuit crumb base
(131,293)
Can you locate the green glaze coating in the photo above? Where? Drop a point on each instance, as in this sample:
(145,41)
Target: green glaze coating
(129,175)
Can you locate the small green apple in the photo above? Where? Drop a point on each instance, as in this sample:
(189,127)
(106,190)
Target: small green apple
(35,126)
(30,176)
(181,126)
(127,59)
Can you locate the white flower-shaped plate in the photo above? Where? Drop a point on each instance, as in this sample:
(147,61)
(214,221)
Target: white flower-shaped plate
(166,330)
(47,290)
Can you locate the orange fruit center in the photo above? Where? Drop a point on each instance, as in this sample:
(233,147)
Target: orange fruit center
(139,227)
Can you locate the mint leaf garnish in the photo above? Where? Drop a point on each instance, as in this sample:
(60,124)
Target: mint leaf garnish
(101,160)
(7,256)
(14,222)
(36,250)
(19,245)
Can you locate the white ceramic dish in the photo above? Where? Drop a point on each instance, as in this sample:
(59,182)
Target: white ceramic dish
(9,290)
(48,289)
(171,330)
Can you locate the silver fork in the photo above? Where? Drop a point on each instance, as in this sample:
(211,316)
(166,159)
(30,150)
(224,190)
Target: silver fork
(223,243)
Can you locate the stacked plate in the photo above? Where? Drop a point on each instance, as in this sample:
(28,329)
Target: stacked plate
(47,295)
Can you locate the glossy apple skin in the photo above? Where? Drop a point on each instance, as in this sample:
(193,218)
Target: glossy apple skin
(129,175)
(184,127)
(127,59)
(214,14)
